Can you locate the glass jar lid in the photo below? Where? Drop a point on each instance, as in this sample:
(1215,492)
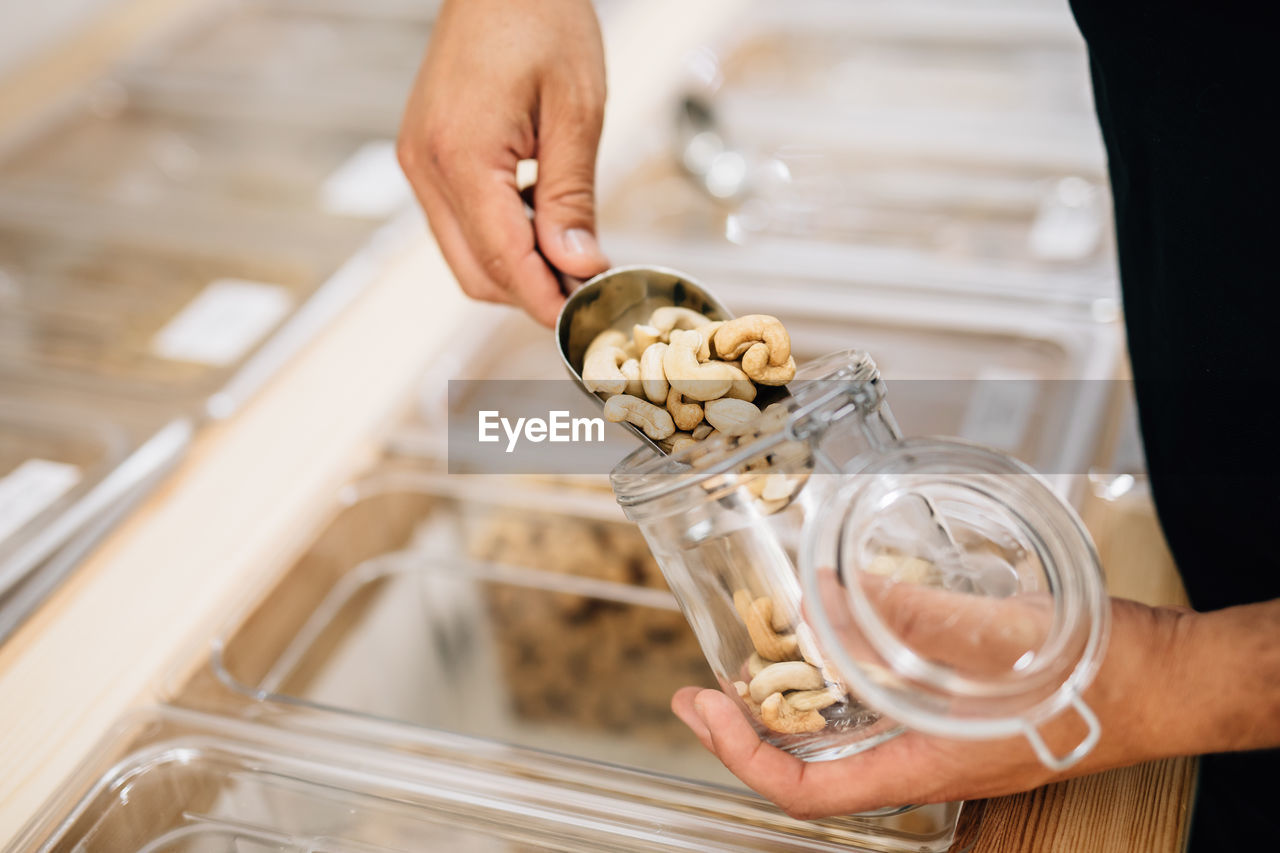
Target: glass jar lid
(956,593)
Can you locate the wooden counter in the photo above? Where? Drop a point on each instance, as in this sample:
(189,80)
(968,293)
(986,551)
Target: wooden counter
(253,490)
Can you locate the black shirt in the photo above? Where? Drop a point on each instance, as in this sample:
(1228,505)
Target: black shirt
(1185,93)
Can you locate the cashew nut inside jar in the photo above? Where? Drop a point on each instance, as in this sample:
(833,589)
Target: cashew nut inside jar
(847,584)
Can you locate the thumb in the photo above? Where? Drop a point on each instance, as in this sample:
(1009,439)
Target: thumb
(564,196)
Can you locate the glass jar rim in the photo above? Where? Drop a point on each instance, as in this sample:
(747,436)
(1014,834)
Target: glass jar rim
(644,476)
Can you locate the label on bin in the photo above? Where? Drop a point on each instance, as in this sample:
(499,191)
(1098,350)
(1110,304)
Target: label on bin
(30,489)
(223,322)
(1000,408)
(369,185)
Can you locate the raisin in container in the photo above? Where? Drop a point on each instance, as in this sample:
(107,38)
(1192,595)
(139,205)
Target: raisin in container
(847,584)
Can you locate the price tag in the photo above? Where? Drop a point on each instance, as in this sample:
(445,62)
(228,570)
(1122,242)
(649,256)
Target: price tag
(30,489)
(223,322)
(369,185)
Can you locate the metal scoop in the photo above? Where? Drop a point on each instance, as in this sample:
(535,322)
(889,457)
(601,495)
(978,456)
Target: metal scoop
(618,299)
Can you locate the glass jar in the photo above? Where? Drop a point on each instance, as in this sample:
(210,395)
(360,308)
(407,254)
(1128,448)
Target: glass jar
(846,584)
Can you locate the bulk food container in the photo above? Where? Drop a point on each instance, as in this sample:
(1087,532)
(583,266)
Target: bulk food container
(1028,230)
(182,781)
(968,80)
(499,358)
(1037,384)
(65,471)
(846,584)
(194,322)
(517,614)
(343,63)
(960,56)
(118,152)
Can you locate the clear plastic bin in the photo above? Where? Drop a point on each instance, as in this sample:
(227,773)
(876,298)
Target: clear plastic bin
(65,470)
(539,613)
(1035,383)
(279,47)
(130,157)
(46,464)
(1003,217)
(497,610)
(180,781)
(956,56)
(1038,386)
(499,344)
(132,314)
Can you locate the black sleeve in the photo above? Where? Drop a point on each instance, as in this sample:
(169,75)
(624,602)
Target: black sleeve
(1187,105)
(1186,96)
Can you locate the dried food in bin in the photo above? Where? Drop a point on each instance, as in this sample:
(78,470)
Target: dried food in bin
(611,665)
(584,658)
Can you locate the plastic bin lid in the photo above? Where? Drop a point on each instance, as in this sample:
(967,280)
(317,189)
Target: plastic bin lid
(182,781)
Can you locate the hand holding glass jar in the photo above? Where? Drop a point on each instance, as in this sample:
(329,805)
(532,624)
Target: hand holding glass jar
(942,603)
(1135,696)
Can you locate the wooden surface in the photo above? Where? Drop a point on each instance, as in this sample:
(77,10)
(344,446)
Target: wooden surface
(253,490)
(1141,808)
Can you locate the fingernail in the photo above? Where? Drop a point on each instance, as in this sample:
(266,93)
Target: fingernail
(580,241)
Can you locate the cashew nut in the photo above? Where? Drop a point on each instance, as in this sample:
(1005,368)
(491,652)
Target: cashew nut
(903,568)
(671,317)
(755,664)
(760,484)
(631,369)
(655,381)
(815,700)
(655,422)
(600,365)
(809,648)
(731,416)
(686,415)
(774,417)
(644,336)
(777,713)
(668,444)
(742,388)
(785,615)
(735,337)
(706,351)
(745,695)
(608,338)
(757,615)
(691,378)
(789,675)
(881,675)
(702,430)
(758,365)
(764,507)
(681,440)
(778,487)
